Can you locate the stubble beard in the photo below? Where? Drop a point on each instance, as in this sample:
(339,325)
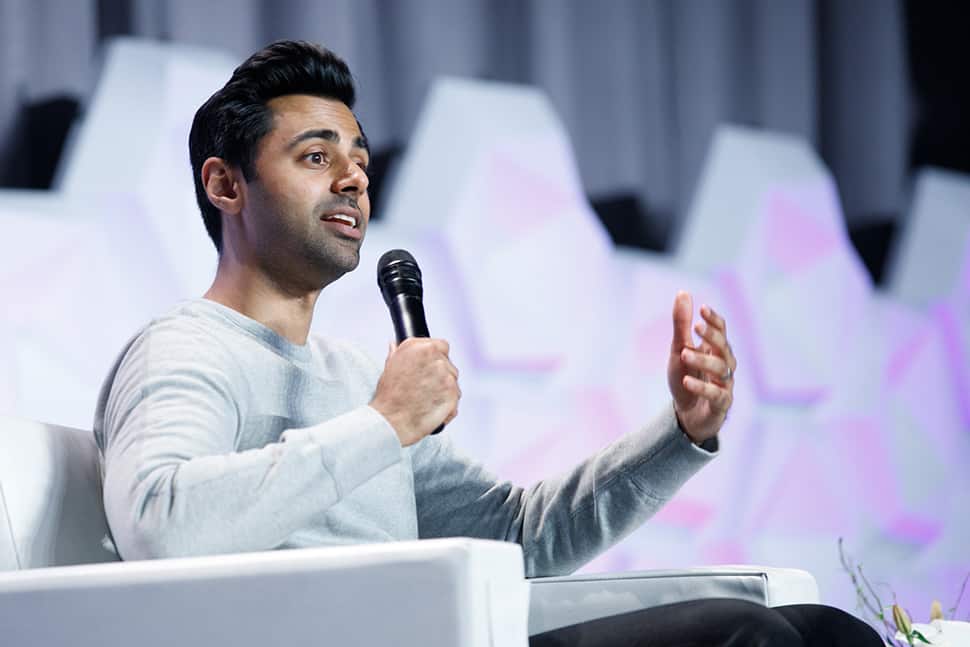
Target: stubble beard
(299,252)
(309,259)
(331,258)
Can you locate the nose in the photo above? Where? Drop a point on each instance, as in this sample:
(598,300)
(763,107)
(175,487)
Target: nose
(352,180)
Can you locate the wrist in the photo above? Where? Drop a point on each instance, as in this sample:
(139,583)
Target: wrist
(680,425)
(393,421)
(710,444)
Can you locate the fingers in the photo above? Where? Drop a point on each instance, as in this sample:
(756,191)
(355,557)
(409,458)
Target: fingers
(455,393)
(451,368)
(418,389)
(717,343)
(426,344)
(451,416)
(715,337)
(682,315)
(719,396)
(711,335)
(434,352)
(442,347)
(716,367)
(714,319)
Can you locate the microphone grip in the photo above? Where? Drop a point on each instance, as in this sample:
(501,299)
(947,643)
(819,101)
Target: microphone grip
(409,321)
(408,317)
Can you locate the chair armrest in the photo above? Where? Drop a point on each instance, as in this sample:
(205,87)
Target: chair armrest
(431,593)
(561,601)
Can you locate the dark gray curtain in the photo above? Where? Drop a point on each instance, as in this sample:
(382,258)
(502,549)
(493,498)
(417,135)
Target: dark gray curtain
(640,84)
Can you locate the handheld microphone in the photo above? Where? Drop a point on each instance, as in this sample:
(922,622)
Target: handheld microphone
(399,278)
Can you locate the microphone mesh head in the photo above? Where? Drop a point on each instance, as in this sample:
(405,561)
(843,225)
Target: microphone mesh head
(395,256)
(398,272)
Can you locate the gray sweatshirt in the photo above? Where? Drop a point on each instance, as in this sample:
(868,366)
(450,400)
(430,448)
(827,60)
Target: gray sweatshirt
(218,435)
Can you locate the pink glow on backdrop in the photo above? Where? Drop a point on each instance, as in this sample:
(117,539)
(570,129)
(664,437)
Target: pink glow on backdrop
(949,325)
(901,360)
(745,327)
(795,238)
(587,421)
(827,511)
(926,391)
(858,445)
(915,529)
(527,231)
(649,353)
(686,513)
(526,199)
(727,551)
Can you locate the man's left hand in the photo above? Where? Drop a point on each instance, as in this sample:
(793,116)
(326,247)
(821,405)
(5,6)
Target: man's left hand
(701,378)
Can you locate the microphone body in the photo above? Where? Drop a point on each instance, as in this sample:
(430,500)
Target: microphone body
(399,279)
(407,313)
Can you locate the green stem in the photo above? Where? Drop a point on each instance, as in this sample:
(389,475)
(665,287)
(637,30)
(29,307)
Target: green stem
(953,611)
(874,610)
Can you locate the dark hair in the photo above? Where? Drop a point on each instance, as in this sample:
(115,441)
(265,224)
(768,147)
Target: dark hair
(234,119)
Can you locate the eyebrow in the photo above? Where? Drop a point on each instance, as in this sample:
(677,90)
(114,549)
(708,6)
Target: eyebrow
(330,136)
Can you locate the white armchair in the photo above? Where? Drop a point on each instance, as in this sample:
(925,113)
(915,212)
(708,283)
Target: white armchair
(56,587)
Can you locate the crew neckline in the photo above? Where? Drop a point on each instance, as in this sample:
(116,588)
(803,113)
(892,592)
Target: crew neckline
(262,333)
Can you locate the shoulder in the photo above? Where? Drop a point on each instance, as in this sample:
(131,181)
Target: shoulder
(176,352)
(181,335)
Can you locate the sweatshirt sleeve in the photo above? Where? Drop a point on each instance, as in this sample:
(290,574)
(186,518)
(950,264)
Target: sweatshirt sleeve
(561,522)
(174,484)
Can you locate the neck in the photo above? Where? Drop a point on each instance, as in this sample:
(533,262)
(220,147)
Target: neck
(251,291)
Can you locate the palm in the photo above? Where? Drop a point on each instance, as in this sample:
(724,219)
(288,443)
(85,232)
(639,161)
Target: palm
(694,412)
(701,406)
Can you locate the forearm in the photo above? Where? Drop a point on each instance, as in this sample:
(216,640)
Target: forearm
(561,522)
(567,521)
(160,503)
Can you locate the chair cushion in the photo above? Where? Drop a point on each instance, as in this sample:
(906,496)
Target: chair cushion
(432,593)
(51,513)
(8,555)
(561,601)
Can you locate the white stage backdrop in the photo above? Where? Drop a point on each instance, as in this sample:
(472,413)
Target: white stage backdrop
(852,411)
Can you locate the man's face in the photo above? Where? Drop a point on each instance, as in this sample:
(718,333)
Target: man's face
(307,207)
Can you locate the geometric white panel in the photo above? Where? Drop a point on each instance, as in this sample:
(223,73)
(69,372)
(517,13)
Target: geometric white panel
(462,119)
(742,167)
(133,138)
(490,170)
(766,216)
(933,249)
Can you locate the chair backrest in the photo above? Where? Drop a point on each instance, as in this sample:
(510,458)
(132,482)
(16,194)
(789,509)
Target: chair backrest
(51,512)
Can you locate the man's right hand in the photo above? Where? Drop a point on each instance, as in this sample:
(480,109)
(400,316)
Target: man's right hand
(418,390)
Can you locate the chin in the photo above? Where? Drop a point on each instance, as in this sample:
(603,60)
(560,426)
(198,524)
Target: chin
(350,262)
(332,266)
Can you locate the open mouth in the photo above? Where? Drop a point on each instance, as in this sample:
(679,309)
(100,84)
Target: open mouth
(350,221)
(344,225)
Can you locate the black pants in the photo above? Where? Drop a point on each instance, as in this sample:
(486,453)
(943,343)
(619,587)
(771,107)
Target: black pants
(717,623)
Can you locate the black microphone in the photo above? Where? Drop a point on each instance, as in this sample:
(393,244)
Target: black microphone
(399,278)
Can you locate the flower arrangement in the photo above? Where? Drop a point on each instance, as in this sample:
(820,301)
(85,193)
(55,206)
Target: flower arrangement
(903,632)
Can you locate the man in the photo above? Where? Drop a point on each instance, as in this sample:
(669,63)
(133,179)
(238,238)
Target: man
(225,427)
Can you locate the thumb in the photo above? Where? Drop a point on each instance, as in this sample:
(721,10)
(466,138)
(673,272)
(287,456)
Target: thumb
(683,316)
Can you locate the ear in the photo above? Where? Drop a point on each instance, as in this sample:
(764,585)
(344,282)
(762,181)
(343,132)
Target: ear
(222,185)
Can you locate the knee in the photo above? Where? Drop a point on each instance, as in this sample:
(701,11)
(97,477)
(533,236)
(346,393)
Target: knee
(821,624)
(759,626)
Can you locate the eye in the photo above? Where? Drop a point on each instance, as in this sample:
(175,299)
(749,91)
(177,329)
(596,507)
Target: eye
(316,158)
